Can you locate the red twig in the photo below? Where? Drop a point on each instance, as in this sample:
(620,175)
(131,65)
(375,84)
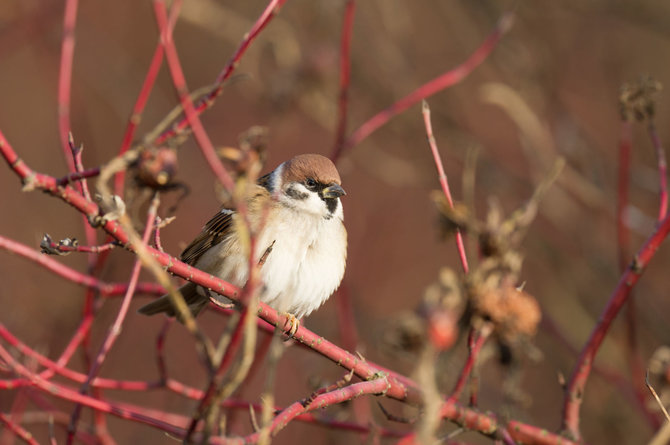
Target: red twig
(49,263)
(376,386)
(138,108)
(49,246)
(79,173)
(623,245)
(574,392)
(426,90)
(18,430)
(115,329)
(65,79)
(15,414)
(226,361)
(623,185)
(345,318)
(471,419)
(154,418)
(476,341)
(179,82)
(662,170)
(72,177)
(443,181)
(345,73)
(270,11)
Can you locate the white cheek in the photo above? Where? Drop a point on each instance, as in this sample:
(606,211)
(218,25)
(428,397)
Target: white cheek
(311,204)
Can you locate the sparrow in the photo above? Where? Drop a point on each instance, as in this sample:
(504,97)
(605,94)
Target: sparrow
(301,248)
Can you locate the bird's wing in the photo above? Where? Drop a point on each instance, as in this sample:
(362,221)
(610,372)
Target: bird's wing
(216,229)
(221,224)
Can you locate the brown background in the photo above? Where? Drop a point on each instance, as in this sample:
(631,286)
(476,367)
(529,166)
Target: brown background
(567,61)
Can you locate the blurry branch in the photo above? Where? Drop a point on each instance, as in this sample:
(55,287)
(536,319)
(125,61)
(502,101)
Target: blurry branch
(266,16)
(65,80)
(426,90)
(656,397)
(476,340)
(18,430)
(345,74)
(636,102)
(179,82)
(538,142)
(574,392)
(377,385)
(443,181)
(115,329)
(105,289)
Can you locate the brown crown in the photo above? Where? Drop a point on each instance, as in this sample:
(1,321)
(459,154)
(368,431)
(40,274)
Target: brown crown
(314,166)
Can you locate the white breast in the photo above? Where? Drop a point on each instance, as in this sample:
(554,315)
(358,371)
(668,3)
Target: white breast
(305,267)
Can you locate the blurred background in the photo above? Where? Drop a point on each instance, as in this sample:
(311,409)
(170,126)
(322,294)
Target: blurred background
(550,88)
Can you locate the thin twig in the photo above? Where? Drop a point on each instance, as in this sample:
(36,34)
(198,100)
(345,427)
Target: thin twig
(115,329)
(656,397)
(444,183)
(426,90)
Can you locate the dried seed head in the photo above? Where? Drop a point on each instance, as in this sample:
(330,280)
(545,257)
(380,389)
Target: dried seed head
(157,167)
(638,99)
(513,312)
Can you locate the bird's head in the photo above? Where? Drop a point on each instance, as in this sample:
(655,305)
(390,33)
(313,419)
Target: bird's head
(309,183)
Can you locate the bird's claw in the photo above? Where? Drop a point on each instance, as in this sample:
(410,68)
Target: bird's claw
(294,324)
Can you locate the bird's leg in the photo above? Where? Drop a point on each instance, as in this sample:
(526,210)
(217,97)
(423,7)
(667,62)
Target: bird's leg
(293,322)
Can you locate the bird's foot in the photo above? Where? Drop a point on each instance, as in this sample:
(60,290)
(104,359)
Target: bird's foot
(293,322)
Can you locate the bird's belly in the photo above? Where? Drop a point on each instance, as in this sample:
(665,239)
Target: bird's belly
(304,268)
(298,274)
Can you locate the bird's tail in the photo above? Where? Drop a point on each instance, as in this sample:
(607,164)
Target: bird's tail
(194,300)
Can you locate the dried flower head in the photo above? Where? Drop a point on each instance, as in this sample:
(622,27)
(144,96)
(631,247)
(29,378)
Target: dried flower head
(638,99)
(156,167)
(513,312)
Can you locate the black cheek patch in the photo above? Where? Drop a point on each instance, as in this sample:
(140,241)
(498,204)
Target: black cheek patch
(295,193)
(331,204)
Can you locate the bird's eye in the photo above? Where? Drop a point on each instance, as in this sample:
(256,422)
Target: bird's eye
(310,183)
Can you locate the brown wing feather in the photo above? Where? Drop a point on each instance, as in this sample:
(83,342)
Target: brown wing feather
(218,228)
(212,234)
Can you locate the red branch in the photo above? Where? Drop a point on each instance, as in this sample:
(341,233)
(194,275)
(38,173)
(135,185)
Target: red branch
(375,386)
(18,430)
(574,392)
(426,90)
(49,263)
(115,329)
(345,73)
(443,181)
(179,82)
(268,13)
(65,79)
(662,170)
(476,341)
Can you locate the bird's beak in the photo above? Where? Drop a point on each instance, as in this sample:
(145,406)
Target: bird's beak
(333,191)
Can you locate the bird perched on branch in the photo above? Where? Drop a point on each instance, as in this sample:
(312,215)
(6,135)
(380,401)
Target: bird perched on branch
(301,248)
